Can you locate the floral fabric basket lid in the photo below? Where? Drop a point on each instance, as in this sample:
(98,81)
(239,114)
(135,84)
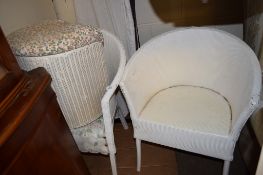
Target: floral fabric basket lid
(52,37)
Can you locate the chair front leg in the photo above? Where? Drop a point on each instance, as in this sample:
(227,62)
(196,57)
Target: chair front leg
(226,167)
(113,164)
(138,147)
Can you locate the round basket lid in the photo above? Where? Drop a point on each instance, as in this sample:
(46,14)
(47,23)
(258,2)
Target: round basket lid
(52,37)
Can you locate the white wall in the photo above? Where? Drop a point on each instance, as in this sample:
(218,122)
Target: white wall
(150,25)
(15,14)
(85,12)
(65,10)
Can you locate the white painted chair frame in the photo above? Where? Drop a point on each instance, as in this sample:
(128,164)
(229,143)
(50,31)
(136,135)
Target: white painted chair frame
(115,58)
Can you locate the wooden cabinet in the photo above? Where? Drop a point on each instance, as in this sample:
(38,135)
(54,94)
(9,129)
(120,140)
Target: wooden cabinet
(34,137)
(198,13)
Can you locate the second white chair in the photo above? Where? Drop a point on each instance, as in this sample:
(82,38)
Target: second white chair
(192,89)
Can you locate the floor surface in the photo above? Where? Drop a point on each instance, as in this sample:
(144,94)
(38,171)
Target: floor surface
(157,160)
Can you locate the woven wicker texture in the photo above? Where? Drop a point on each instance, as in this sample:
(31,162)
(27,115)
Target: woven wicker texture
(79,80)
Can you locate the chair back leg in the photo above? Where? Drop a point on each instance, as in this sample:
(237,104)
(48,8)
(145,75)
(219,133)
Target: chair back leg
(226,167)
(122,118)
(138,147)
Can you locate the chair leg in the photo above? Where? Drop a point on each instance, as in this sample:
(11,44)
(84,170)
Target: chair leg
(122,118)
(113,164)
(226,167)
(138,147)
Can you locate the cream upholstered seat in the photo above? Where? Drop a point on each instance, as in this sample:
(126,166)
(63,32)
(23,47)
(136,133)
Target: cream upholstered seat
(191,108)
(192,89)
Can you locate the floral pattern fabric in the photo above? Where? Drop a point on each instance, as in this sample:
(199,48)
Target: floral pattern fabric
(91,138)
(52,37)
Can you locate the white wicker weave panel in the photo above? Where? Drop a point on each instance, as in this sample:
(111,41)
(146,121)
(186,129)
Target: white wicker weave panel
(212,145)
(79,80)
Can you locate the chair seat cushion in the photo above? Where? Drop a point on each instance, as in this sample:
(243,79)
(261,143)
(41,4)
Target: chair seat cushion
(52,37)
(190,108)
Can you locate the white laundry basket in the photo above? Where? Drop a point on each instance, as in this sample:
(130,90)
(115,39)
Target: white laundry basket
(73,55)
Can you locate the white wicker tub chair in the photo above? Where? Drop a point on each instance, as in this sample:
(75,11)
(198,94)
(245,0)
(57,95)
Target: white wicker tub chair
(192,89)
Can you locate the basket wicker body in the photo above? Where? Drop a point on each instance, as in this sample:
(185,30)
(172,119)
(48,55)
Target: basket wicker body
(73,55)
(79,80)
